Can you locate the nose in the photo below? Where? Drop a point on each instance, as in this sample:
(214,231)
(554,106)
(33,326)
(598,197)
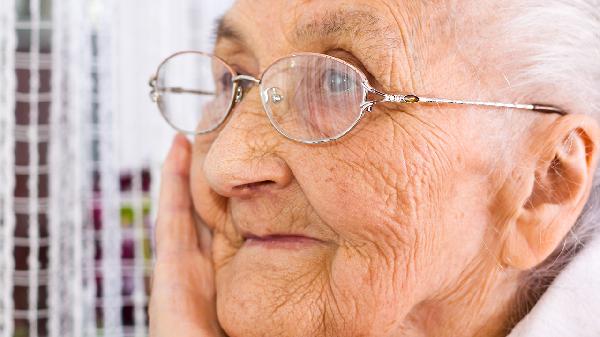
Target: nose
(242,161)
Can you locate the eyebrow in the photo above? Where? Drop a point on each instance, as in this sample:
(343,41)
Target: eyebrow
(336,23)
(329,25)
(224,29)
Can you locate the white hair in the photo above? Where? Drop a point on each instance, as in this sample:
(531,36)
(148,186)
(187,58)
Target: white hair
(558,48)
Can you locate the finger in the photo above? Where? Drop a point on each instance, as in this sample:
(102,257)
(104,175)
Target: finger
(175,227)
(204,237)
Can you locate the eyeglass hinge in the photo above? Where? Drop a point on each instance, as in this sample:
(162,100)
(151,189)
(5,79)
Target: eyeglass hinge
(400,98)
(154,95)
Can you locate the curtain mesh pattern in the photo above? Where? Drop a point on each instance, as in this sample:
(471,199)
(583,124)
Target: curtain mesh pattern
(81,147)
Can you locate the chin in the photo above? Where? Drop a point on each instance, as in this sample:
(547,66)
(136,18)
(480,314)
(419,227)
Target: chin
(274,290)
(285,291)
(267,299)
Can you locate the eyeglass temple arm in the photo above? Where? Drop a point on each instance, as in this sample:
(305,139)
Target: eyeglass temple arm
(419,99)
(154,93)
(533,107)
(179,90)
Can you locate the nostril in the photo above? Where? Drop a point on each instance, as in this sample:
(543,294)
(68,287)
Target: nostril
(254,186)
(230,173)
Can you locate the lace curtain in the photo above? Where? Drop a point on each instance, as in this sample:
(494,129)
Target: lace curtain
(80,150)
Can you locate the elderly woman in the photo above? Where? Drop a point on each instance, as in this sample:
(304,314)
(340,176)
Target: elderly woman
(378,168)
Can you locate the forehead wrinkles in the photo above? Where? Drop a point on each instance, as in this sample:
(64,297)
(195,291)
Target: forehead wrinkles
(336,23)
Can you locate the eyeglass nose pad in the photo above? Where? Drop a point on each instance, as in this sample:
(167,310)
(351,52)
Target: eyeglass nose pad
(273,94)
(239,94)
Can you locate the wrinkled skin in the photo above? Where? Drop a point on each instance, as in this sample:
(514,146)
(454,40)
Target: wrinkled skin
(417,210)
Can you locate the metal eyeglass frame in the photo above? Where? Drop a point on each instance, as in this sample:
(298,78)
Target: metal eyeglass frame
(365,106)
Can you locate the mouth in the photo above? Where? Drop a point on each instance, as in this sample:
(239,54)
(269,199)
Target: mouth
(280,241)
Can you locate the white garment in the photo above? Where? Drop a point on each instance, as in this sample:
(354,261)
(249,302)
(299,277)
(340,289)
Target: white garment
(571,305)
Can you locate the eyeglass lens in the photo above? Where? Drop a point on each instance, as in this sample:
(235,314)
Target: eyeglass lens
(196,91)
(308,97)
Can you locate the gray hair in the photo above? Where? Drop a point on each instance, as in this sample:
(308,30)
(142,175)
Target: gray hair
(560,41)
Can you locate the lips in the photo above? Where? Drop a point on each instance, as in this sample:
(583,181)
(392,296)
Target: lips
(280,241)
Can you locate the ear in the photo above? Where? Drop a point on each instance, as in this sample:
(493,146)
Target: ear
(557,186)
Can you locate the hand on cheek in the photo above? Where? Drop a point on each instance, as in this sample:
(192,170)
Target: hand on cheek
(182,301)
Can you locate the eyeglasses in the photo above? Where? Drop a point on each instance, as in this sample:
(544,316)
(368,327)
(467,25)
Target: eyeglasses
(309,98)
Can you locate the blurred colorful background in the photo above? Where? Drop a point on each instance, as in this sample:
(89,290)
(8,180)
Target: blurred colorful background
(81,146)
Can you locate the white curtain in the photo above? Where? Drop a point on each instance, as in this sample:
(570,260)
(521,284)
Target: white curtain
(7,161)
(81,146)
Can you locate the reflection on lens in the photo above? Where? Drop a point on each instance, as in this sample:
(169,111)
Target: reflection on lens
(312,98)
(195,91)
(275,95)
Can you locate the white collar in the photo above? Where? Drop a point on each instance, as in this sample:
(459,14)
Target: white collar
(571,305)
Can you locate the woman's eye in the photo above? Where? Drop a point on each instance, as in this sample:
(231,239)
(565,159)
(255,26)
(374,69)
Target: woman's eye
(225,80)
(338,82)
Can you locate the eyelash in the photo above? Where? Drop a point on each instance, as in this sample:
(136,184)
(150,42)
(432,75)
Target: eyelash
(349,57)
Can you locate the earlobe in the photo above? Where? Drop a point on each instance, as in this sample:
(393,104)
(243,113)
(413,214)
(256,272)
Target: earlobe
(560,181)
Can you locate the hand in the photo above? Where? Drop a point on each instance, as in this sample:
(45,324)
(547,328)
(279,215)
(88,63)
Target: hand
(182,302)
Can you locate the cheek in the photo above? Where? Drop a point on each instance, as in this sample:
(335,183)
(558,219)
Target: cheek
(404,215)
(209,205)
(382,218)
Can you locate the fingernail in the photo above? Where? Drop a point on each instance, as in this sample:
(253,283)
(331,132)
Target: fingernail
(179,151)
(179,143)
(178,139)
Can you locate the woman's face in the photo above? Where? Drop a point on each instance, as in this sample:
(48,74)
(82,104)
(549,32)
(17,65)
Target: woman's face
(377,233)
